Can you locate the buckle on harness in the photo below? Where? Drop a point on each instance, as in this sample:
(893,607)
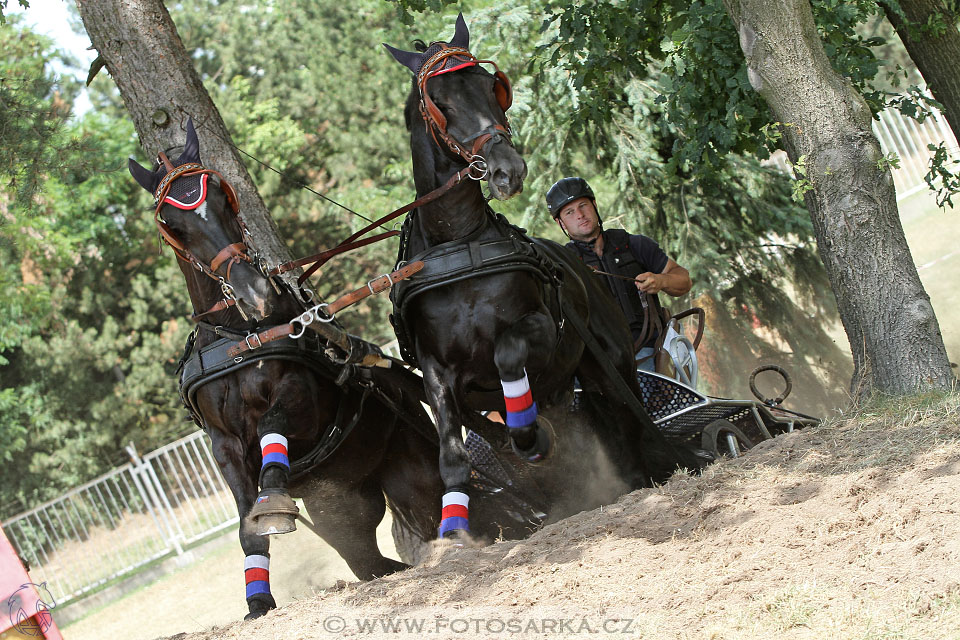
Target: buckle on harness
(383,275)
(308,317)
(250,345)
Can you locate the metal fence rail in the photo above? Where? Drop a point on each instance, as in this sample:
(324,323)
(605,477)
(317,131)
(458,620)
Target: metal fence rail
(909,139)
(129,517)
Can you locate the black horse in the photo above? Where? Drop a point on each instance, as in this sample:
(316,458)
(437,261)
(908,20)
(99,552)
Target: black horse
(363,434)
(492,309)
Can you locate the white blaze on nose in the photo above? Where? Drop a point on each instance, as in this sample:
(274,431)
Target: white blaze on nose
(202,210)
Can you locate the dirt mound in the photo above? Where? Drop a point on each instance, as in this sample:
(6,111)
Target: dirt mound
(849,530)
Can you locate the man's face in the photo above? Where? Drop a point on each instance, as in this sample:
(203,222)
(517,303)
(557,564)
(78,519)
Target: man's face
(580,219)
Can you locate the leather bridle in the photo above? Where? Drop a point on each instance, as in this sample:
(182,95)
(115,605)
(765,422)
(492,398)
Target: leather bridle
(436,122)
(229,255)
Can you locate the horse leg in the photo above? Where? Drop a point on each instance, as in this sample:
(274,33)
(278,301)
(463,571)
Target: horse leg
(346,517)
(440,386)
(524,341)
(229,453)
(275,512)
(412,484)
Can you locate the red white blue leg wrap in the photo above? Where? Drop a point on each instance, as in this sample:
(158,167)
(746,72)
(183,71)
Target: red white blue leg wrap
(274,448)
(256,571)
(521,409)
(454,515)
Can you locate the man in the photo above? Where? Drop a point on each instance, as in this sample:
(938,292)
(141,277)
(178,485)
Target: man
(637,257)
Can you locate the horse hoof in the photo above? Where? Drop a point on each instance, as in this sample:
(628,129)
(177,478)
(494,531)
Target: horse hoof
(259,607)
(256,613)
(275,524)
(543,448)
(274,513)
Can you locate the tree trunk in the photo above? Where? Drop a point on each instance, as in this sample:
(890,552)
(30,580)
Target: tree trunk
(935,54)
(894,335)
(161,89)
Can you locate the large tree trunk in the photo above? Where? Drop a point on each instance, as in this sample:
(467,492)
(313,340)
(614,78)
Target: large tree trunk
(161,89)
(935,52)
(893,331)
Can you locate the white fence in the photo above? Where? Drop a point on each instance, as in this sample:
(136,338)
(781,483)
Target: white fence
(909,139)
(142,511)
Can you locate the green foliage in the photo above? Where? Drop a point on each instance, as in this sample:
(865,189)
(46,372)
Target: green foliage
(92,321)
(3,6)
(34,106)
(914,103)
(940,178)
(802,184)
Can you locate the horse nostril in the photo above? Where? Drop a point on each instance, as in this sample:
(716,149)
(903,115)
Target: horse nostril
(501,178)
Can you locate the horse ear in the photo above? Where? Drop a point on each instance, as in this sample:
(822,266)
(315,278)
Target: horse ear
(144,177)
(461,37)
(191,148)
(409,59)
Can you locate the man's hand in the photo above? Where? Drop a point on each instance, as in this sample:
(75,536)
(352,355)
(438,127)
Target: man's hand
(649,282)
(675,280)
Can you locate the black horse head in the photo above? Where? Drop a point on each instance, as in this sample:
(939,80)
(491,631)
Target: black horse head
(460,102)
(198,218)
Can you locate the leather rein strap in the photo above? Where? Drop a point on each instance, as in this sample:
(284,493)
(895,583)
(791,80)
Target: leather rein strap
(381,283)
(350,243)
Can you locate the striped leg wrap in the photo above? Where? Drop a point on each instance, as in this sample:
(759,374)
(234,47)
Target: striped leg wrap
(454,514)
(521,409)
(274,448)
(256,571)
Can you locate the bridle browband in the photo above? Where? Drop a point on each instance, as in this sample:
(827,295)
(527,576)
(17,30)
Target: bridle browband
(436,122)
(229,255)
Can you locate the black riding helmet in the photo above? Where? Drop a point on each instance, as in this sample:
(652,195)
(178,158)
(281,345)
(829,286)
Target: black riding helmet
(567,190)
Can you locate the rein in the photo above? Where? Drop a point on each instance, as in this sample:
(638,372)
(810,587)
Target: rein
(351,243)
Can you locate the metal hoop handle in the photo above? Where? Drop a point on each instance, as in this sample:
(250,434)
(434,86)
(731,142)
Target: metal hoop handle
(771,402)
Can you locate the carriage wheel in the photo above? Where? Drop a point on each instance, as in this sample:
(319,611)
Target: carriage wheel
(723,438)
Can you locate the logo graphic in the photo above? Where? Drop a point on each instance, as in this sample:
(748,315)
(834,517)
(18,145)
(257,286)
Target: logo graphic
(31,623)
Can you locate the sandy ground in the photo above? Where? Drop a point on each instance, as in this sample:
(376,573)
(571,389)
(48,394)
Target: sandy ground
(849,530)
(211,592)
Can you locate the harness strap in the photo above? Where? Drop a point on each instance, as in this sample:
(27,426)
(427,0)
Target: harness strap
(321,258)
(233,252)
(378,284)
(225,303)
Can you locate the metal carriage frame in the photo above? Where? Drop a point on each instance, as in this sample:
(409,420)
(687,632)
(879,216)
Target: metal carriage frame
(721,426)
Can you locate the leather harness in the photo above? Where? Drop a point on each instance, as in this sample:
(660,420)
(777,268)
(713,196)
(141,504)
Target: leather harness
(199,367)
(466,258)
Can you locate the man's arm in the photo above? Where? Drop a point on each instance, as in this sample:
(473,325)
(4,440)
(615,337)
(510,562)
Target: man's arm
(673,280)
